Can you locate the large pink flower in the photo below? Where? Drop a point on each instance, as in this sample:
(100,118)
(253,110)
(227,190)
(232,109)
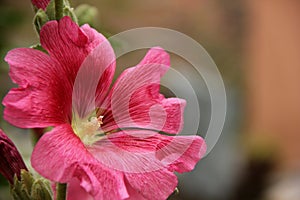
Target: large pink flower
(107,141)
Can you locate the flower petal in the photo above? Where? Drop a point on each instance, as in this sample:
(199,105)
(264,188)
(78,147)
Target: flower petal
(76,192)
(121,152)
(148,160)
(65,42)
(70,159)
(140,104)
(40,81)
(64,148)
(101,45)
(50,78)
(181,153)
(140,151)
(93,79)
(69,44)
(85,49)
(157,185)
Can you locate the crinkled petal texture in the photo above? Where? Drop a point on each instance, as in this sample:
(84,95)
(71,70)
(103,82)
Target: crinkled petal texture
(44,95)
(119,166)
(40,3)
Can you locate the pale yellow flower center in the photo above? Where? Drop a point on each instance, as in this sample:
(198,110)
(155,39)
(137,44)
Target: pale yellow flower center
(88,129)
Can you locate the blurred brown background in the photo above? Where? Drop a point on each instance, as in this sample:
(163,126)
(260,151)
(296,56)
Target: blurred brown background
(256,46)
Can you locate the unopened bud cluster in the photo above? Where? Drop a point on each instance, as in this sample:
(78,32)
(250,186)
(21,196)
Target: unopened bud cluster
(28,188)
(83,14)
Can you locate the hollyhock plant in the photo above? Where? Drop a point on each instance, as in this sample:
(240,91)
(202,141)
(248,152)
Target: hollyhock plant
(11,162)
(117,143)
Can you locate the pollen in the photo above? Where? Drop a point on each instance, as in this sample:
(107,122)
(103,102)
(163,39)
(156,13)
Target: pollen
(89,129)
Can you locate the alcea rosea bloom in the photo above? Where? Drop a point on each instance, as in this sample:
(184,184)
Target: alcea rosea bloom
(106,141)
(11,162)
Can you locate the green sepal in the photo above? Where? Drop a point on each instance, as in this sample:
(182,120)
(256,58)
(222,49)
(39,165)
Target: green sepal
(50,11)
(29,188)
(19,191)
(26,181)
(39,20)
(38,47)
(15,196)
(41,190)
(68,11)
(67,3)
(174,194)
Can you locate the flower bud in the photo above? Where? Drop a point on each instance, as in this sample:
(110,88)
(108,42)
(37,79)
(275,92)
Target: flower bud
(40,4)
(30,189)
(41,190)
(11,162)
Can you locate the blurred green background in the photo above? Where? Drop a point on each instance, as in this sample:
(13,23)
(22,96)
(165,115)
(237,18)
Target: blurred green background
(254,45)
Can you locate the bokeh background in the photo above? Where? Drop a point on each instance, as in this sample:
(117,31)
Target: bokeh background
(255,45)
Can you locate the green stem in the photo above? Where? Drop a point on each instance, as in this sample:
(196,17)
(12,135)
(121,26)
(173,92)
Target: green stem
(61,190)
(59,8)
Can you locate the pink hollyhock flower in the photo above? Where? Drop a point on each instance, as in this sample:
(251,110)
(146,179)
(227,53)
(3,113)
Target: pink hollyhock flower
(11,162)
(40,3)
(104,141)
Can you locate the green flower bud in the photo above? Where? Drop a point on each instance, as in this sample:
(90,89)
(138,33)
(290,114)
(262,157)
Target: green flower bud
(30,189)
(41,190)
(86,14)
(27,181)
(19,190)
